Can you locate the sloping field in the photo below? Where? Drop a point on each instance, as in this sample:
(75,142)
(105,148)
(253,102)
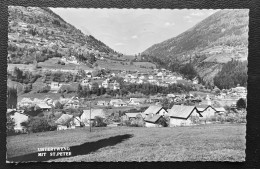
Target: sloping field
(117,65)
(213,142)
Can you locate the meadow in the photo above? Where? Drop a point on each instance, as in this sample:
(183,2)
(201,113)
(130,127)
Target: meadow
(211,142)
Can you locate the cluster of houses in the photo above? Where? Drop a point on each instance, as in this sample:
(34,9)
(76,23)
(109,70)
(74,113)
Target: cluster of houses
(179,115)
(234,93)
(158,77)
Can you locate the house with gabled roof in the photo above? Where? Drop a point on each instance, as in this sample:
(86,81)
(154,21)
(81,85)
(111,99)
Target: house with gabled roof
(63,122)
(136,101)
(155,109)
(18,118)
(181,115)
(102,103)
(44,106)
(152,120)
(89,115)
(208,110)
(132,116)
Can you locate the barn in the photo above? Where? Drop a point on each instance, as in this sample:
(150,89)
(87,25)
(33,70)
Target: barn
(181,115)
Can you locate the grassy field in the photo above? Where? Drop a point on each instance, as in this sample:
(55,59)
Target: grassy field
(212,142)
(117,65)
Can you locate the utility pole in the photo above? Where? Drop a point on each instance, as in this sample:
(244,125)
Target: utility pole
(90,117)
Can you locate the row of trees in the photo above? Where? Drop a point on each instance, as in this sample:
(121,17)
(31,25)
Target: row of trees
(21,76)
(125,89)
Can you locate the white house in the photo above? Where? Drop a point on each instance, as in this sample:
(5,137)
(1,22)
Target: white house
(182,115)
(55,86)
(120,104)
(136,101)
(18,118)
(206,111)
(105,83)
(102,103)
(85,83)
(89,115)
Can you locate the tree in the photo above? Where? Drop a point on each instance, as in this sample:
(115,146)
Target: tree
(11,97)
(163,122)
(241,103)
(188,71)
(10,125)
(98,122)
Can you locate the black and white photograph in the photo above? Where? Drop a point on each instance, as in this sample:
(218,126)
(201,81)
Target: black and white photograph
(123,85)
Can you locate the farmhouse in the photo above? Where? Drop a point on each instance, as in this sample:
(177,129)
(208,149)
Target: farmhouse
(63,122)
(116,101)
(152,120)
(102,103)
(18,118)
(75,122)
(85,83)
(132,116)
(136,101)
(105,83)
(155,110)
(182,115)
(206,110)
(55,86)
(25,102)
(88,115)
(44,106)
(120,104)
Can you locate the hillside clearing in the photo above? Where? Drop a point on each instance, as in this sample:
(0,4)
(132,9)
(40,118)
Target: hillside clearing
(213,142)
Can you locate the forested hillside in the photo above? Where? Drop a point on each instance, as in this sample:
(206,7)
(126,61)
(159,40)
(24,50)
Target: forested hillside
(38,34)
(232,74)
(208,45)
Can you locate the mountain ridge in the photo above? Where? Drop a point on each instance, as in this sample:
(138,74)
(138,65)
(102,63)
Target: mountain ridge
(42,30)
(209,44)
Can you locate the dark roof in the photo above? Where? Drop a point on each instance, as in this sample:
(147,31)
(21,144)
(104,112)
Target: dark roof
(153,109)
(153,119)
(180,111)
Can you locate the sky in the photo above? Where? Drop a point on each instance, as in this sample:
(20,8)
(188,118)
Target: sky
(131,31)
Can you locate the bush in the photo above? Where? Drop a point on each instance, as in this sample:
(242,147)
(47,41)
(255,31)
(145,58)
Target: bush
(45,89)
(99,122)
(67,89)
(241,103)
(40,124)
(163,122)
(10,126)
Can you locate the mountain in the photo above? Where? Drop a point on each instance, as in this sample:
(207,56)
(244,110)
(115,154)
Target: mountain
(207,45)
(35,32)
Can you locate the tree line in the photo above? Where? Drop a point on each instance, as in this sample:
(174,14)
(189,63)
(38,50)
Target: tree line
(125,89)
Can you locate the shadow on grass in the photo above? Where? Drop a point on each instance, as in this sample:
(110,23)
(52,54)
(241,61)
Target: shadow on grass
(82,149)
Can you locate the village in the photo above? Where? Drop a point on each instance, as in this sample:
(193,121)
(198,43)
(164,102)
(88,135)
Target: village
(160,110)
